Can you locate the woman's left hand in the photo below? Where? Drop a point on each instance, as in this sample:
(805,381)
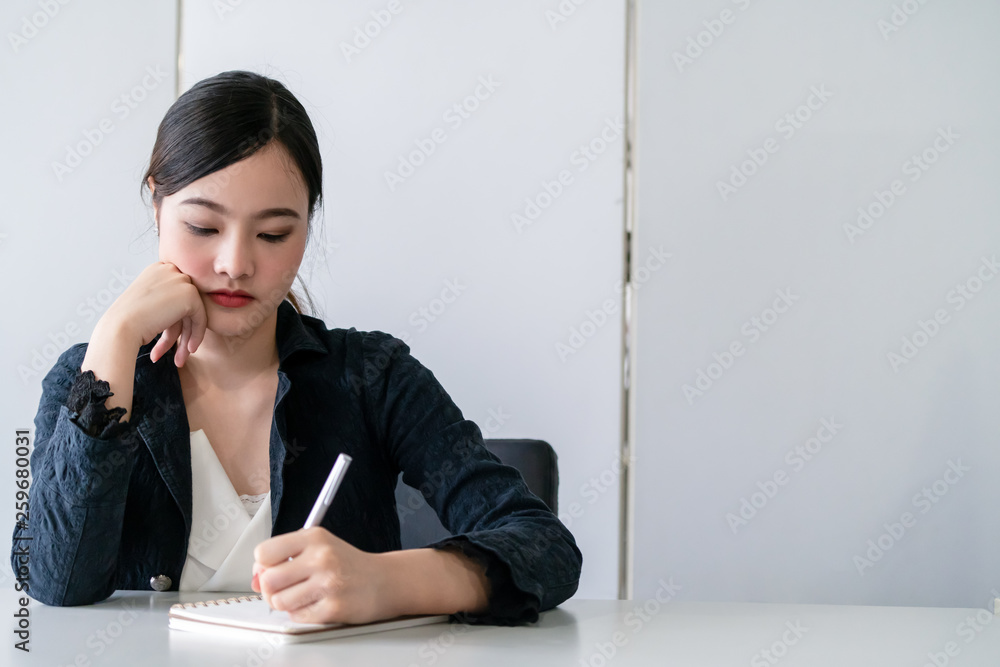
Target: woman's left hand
(326,581)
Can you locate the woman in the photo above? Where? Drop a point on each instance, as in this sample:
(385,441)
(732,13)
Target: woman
(206,411)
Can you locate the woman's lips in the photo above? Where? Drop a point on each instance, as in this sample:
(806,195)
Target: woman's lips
(227,300)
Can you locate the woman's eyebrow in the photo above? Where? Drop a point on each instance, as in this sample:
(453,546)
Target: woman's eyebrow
(222,210)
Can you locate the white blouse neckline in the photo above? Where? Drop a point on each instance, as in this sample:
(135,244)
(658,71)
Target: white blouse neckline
(223,531)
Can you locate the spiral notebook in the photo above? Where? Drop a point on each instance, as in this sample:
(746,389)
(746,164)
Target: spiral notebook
(249,617)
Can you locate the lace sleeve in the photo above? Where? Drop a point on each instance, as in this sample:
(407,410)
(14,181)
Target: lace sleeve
(88,410)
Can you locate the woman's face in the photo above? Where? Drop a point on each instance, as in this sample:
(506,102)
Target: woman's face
(240,229)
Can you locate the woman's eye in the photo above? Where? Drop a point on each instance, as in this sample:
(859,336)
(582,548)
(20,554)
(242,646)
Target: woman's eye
(208,231)
(199,231)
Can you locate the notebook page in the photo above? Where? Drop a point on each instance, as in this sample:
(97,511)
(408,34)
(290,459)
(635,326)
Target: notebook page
(252,613)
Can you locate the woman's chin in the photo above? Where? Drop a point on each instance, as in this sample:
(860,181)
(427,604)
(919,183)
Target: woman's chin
(236,323)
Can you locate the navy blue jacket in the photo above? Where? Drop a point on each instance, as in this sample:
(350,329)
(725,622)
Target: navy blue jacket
(115,512)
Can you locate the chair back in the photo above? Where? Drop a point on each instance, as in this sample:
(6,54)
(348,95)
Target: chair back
(534,459)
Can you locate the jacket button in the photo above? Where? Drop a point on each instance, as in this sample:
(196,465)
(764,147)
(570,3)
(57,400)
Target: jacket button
(160,582)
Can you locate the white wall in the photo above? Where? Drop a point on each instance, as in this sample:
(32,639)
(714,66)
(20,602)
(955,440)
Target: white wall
(856,295)
(382,253)
(78,123)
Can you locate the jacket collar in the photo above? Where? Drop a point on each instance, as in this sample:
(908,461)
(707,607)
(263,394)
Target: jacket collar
(292,334)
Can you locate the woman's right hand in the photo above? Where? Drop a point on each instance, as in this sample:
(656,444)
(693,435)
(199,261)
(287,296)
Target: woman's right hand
(162,299)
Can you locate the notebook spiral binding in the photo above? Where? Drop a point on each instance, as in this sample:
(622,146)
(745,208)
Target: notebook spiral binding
(216,603)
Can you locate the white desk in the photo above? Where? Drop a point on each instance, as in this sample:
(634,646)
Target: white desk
(130,629)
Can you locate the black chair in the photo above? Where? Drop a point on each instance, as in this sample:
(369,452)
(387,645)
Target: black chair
(534,459)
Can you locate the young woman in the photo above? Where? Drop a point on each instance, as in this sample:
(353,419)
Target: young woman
(206,411)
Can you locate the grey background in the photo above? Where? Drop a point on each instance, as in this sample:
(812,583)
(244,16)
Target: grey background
(379,255)
(827,356)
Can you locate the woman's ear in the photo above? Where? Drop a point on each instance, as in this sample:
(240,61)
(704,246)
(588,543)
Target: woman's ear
(156,209)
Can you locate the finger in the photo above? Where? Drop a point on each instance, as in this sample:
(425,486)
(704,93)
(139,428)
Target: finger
(318,612)
(256,570)
(199,322)
(301,596)
(157,350)
(182,351)
(166,340)
(323,610)
(275,579)
(280,548)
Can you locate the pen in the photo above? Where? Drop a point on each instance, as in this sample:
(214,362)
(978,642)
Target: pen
(325,498)
(326,494)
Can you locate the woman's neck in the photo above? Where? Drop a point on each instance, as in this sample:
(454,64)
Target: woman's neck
(230,361)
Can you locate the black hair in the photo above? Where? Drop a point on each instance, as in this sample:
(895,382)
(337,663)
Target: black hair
(227,118)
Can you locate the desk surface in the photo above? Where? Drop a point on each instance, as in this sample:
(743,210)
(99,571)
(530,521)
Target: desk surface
(130,628)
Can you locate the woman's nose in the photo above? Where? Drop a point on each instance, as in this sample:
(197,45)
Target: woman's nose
(235,258)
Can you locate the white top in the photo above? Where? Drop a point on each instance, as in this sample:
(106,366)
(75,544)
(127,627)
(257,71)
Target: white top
(225,527)
(252,503)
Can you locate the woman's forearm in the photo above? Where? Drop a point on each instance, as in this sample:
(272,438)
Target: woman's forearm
(111,356)
(433,581)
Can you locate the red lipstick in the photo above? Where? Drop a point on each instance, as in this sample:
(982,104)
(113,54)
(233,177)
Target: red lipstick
(230,299)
